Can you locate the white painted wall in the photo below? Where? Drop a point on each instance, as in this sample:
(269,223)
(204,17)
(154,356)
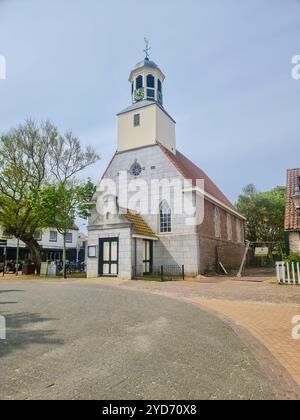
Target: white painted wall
(125,251)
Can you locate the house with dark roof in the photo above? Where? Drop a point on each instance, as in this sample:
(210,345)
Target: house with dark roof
(292,219)
(153,206)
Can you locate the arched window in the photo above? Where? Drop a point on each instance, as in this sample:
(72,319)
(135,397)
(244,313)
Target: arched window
(229,227)
(159,92)
(150,87)
(159,86)
(139,82)
(239,231)
(150,81)
(165,218)
(217,220)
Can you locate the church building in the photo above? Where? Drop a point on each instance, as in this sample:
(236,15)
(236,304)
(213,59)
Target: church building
(127,239)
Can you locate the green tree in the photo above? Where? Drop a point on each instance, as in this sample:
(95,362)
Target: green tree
(265,214)
(65,202)
(33,158)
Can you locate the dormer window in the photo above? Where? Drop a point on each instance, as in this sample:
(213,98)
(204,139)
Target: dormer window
(298,184)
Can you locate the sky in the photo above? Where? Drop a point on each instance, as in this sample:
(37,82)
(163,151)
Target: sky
(228,81)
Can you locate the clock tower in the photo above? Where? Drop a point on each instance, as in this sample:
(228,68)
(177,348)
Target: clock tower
(146,122)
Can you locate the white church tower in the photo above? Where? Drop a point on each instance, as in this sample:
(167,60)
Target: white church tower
(136,230)
(146,122)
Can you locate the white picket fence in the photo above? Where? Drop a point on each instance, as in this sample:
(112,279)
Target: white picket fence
(288,273)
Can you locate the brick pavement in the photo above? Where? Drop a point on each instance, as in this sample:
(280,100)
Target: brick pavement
(270,323)
(264,309)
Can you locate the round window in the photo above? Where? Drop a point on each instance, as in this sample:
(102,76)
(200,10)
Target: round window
(136,169)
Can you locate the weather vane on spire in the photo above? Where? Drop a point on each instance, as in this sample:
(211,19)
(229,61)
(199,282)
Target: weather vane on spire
(147,49)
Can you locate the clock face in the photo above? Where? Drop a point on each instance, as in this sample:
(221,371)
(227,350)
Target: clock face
(136,169)
(139,94)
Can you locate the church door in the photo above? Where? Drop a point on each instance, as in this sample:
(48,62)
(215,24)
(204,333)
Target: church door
(148,257)
(109,257)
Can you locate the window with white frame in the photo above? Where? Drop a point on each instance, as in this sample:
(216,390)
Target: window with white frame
(69,237)
(229,227)
(217,222)
(38,235)
(150,87)
(53,236)
(165,218)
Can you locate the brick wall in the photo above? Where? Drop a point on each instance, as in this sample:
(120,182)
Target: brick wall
(213,250)
(231,255)
(207,228)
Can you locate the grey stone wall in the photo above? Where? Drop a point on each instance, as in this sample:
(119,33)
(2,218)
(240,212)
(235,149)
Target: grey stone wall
(178,250)
(155,166)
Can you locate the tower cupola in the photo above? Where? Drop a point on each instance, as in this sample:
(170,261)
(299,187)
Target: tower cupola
(146,122)
(147,80)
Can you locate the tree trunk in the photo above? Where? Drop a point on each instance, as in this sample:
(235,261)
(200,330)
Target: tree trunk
(64,256)
(35,251)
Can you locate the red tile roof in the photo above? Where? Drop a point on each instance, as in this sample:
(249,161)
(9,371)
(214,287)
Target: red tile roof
(190,171)
(140,227)
(291,218)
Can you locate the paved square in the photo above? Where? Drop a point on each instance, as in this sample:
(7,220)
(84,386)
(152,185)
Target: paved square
(88,340)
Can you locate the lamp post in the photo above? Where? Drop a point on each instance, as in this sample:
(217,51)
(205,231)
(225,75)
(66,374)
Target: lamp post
(18,257)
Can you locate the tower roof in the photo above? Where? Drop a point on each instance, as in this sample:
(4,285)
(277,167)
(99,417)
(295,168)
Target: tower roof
(146,63)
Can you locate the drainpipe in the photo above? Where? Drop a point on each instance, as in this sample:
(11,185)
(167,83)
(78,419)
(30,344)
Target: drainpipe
(135,256)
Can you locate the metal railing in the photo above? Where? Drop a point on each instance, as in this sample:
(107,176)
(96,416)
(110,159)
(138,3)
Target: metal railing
(72,267)
(160,272)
